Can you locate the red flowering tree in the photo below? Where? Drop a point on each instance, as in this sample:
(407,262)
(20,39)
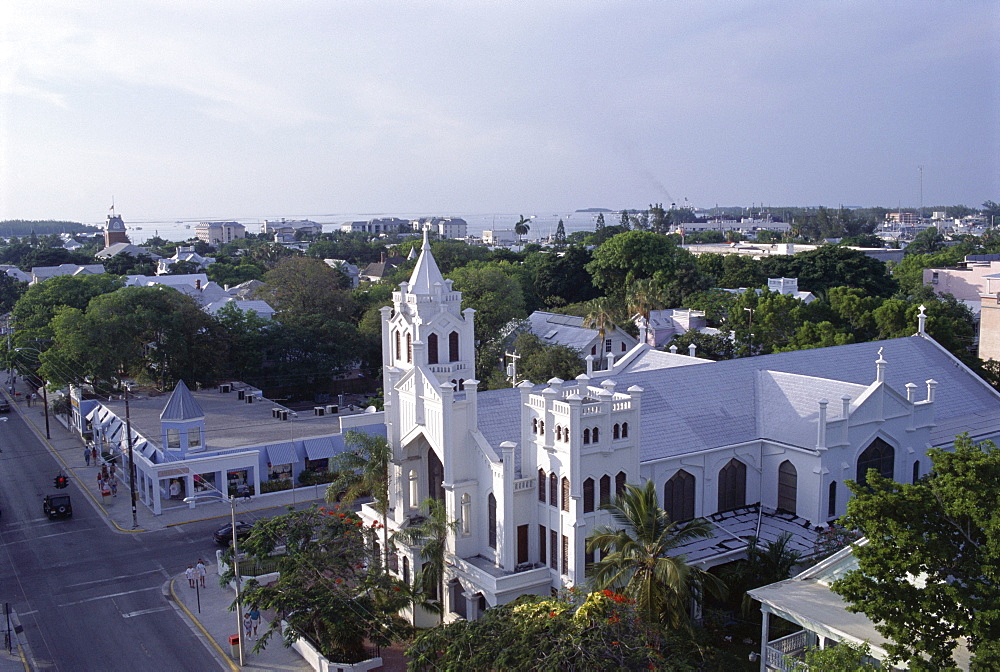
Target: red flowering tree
(330,588)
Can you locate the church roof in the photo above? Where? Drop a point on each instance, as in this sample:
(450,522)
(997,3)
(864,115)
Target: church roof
(426,273)
(712,404)
(181,405)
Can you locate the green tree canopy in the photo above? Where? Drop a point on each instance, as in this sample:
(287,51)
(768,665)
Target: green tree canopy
(946,585)
(38,305)
(832,266)
(631,256)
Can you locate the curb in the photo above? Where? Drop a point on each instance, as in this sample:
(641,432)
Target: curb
(191,617)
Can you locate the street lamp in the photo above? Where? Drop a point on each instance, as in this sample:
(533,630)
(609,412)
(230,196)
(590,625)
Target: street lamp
(236,562)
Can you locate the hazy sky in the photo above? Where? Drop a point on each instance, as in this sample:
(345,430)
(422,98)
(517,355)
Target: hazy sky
(193,109)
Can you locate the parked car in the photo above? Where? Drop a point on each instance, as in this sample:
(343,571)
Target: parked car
(224,535)
(57,506)
(4,405)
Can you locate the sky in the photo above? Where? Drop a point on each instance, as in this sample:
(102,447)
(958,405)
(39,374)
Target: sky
(190,109)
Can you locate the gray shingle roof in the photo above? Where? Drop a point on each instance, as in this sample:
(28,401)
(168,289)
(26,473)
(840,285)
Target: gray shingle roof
(565,330)
(181,405)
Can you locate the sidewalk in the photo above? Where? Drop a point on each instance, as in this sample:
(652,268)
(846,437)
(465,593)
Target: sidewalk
(16,659)
(215,623)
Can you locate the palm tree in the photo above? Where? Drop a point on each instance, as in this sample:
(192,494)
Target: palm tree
(600,316)
(635,559)
(644,296)
(363,470)
(431,535)
(522,227)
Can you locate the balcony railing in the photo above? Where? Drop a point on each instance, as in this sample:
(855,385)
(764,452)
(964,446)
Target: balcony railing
(782,654)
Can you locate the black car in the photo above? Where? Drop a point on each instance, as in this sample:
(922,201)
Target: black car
(224,535)
(57,506)
(4,405)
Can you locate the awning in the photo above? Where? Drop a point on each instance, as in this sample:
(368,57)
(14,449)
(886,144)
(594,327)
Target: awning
(320,448)
(93,412)
(281,453)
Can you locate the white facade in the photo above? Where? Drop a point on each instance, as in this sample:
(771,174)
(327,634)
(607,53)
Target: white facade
(216,233)
(766,441)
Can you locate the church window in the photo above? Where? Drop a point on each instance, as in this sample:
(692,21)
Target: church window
(878,456)
(558,433)
(406,570)
(399,349)
(432,349)
(588,558)
(787,486)
(624,430)
(620,484)
(466,514)
(461,384)
(541,427)
(616,432)
(541,485)
(595,435)
(831,507)
(565,494)
(491,503)
(732,485)
(553,490)
(534,425)
(543,537)
(916,471)
(586,436)
(588,495)
(565,554)
(435,477)
(414,489)
(607,345)
(453,354)
(522,544)
(605,490)
(553,549)
(678,496)
(409,348)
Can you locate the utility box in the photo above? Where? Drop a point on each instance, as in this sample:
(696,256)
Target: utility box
(234,646)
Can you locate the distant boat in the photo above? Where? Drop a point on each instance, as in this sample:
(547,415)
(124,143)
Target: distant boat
(187,226)
(138,228)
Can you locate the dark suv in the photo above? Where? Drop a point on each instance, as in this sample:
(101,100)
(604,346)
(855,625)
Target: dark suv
(57,506)
(4,405)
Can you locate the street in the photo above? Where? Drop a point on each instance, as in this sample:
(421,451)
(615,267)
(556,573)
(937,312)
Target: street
(89,597)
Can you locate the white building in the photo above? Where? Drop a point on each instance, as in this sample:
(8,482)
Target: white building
(217,233)
(184,254)
(760,445)
(445,227)
(568,330)
(500,237)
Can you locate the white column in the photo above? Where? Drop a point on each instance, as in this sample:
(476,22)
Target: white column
(766,613)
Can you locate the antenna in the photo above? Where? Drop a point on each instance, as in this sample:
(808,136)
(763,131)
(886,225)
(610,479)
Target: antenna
(921,169)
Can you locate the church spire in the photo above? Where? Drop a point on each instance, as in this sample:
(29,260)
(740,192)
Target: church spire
(426,273)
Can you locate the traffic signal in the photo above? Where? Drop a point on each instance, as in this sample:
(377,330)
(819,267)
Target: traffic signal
(61,481)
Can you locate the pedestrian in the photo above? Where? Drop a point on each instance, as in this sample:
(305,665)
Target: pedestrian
(114,468)
(201,571)
(86,456)
(255,619)
(100,482)
(93,455)
(28,397)
(189,573)
(247,625)
(104,472)
(113,482)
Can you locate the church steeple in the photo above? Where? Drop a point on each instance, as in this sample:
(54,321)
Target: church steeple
(426,274)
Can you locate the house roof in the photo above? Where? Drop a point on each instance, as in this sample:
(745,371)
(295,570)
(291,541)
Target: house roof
(115,249)
(565,330)
(181,405)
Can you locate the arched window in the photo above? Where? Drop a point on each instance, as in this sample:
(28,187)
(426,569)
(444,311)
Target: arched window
(623,347)
(409,348)
(466,514)
(541,485)
(553,490)
(491,504)
(605,490)
(399,349)
(595,435)
(453,354)
(787,486)
(432,349)
(435,476)
(878,456)
(620,484)
(406,570)
(534,425)
(916,471)
(732,485)
(558,433)
(588,495)
(831,507)
(593,350)
(624,430)
(616,433)
(586,436)
(565,494)
(461,384)
(541,427)
(414,489)
(678,496)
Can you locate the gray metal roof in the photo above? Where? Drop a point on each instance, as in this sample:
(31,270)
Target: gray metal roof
(181,405)
(565,330)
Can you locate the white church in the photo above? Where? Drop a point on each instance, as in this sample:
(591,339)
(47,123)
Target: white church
(758,446)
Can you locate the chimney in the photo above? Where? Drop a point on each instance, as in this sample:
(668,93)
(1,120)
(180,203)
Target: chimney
(911,392)
(931,384)
(691,349)
(922,320)
(673,349)
(821,428)
(197,284)
(880,368)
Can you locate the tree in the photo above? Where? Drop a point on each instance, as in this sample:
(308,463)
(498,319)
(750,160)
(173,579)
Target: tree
(599,224)
(636,560)
(600,316)
(431,535)
(562,279)
(522,227)
(927,241)
(707,346)
(303,288)
(327,589)
(363,470)
(540,361)
(946,585)
(845,656)
(764,564)
(574,631)
(832,266)
(643,297)
(631,256)
(39,304)
(560,236)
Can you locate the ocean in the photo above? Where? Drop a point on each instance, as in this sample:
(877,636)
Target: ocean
(542,225)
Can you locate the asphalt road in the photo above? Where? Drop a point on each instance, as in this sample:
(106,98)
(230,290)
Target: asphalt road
(89,597)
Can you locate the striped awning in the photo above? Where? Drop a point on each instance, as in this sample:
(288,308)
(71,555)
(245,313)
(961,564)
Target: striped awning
(320,448)
(281,453)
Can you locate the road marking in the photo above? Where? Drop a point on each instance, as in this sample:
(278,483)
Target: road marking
(114,578)
(60,534)
(104,597)
(142,612)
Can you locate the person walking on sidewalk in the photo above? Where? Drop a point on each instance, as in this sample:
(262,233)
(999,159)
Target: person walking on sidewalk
(113,482)
(201,571)
(86,456)
(189,573)
(93,455)
(28,398)
(255,619)
(247,625)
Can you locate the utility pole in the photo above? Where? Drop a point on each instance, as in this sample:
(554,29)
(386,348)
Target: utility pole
(131,458)
(512,367)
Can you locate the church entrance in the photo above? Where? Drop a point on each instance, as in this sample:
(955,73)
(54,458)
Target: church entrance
(435,476)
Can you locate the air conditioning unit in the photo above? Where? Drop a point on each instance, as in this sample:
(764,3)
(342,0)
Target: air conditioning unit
(226,388)
(284,415)
(333,409)
(319,410)
(241,395)
(249,398)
